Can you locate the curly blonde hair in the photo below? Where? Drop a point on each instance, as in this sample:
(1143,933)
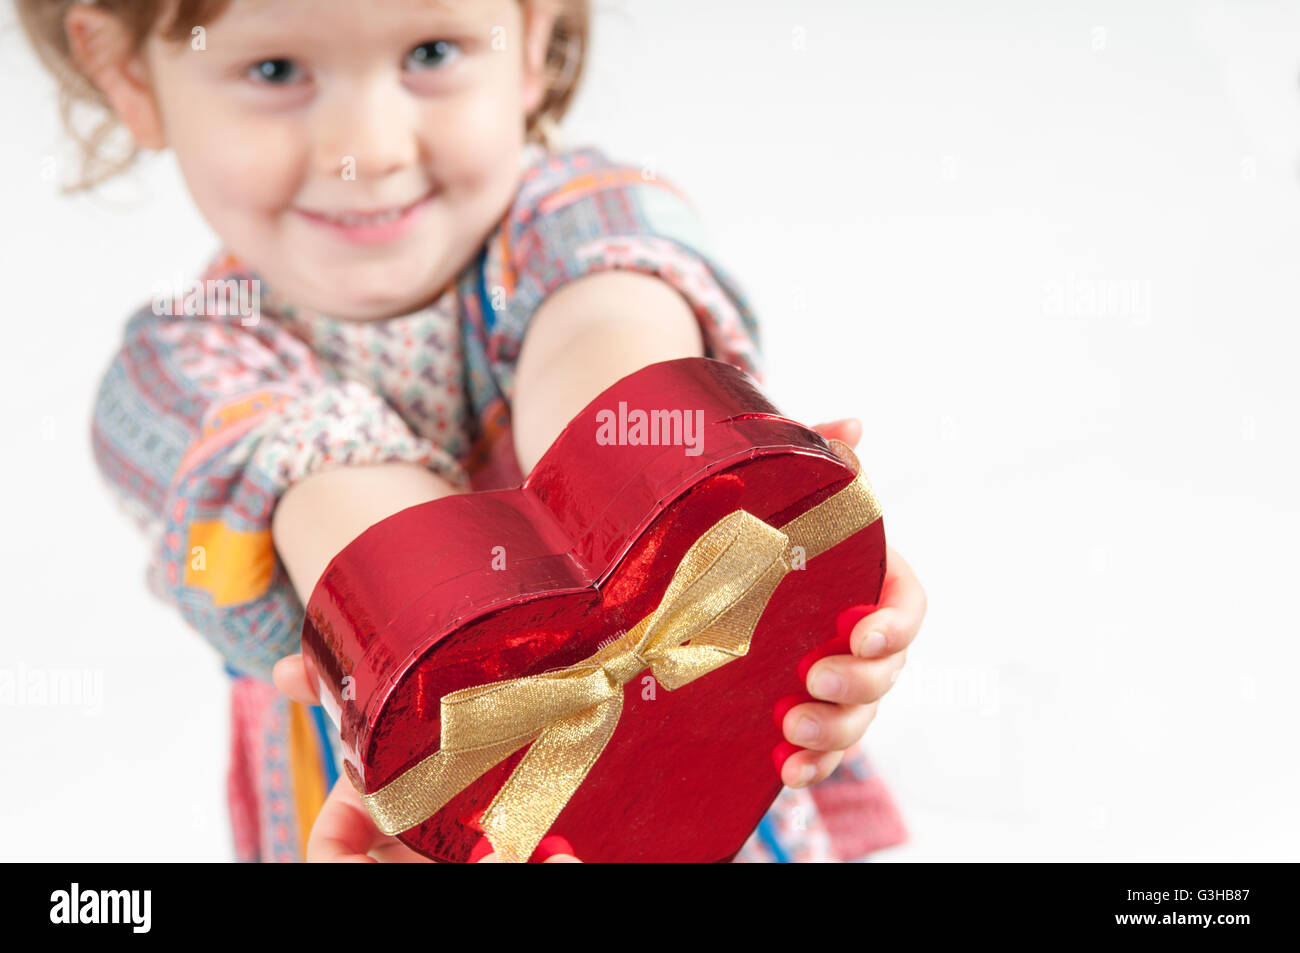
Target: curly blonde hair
(103,143)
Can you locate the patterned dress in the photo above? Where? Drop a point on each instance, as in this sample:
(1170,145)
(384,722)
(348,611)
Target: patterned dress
(203,421)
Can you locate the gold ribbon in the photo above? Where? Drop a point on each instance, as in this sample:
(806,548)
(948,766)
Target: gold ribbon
(705,619)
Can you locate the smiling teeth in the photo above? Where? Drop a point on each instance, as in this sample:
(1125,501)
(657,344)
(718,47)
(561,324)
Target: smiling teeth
(353,219)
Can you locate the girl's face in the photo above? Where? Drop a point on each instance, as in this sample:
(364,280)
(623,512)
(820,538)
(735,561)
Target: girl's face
(357,155)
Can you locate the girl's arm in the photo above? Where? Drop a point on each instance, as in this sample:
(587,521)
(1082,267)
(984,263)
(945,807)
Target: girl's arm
(584,337)
(316,518)
(605,326)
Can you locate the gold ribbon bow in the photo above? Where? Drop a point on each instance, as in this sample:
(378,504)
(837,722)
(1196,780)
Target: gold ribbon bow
(704,620)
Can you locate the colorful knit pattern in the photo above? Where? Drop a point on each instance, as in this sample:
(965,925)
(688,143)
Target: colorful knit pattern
(203,422)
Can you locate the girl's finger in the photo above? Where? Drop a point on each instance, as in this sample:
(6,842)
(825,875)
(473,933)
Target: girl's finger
(556,849)
(553,858)
(343,831)
(848,680)
(290,677)
(893,625)
(849,430)
(395,852)
(808,767)
(821,726)
(553,849)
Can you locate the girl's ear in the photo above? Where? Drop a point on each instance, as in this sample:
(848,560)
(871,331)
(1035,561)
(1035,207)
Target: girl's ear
(102,47)
(539,22)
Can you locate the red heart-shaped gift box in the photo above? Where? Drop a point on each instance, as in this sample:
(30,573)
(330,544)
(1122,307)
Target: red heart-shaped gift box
(483,587)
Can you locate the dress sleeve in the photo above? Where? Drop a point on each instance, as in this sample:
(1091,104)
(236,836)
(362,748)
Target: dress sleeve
(577,213)
(200,425)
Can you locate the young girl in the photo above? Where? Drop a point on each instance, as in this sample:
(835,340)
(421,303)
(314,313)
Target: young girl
(428,291)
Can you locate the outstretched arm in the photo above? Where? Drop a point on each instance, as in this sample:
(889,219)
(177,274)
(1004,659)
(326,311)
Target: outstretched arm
(585,336)
(316,518)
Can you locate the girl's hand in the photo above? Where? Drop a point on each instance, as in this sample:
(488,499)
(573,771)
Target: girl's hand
(344,832)
(850,686)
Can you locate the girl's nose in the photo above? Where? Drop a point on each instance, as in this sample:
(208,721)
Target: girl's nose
(368,133)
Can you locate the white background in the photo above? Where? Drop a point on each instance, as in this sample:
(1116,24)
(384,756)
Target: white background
(928,203)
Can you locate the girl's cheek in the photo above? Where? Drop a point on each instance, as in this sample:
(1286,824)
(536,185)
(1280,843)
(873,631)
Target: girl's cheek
(266,179)
(245,163)
(488,131)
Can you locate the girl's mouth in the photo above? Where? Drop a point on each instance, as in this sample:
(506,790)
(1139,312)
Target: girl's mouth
(370,226)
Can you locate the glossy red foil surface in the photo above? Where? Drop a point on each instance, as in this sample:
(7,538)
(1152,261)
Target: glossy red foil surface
(413,609)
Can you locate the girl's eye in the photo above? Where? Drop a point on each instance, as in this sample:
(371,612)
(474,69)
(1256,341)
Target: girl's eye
(278,72)
(431,55)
